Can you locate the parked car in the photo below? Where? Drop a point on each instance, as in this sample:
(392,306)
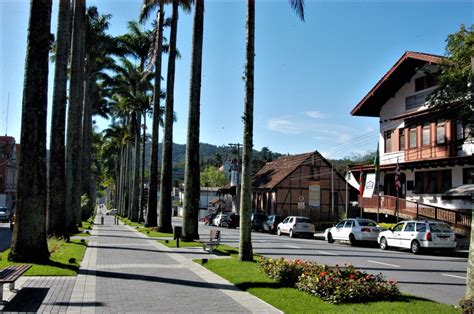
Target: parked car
(232,221)
(271,224)
(295,226)
(220,219)
(209,218)
(4,214)
(111,212)
(353,230)
(418,235)
(258,219)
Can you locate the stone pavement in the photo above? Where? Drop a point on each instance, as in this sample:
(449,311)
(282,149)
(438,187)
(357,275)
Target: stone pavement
(125,271)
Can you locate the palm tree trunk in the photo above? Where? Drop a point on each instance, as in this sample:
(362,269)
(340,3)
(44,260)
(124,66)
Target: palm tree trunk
(192,169)
(74,123)
(29,235)
(123,165)
(136,169)
(87,142)
(164,223)
(245,245)
(57,160)
(151,217)
(142,178)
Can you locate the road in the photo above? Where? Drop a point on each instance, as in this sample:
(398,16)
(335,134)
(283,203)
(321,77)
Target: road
(435,276)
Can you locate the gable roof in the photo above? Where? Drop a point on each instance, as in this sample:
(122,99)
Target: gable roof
(276,171)
(392,81)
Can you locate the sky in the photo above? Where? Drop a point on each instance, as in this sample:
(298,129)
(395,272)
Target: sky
(308,75)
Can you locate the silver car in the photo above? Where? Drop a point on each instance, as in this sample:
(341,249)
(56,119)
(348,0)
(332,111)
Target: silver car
(4,214)
(353,230)
(417,235)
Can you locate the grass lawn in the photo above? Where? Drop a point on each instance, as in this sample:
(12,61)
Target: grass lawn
(248,277)
(59,262)
(172,243)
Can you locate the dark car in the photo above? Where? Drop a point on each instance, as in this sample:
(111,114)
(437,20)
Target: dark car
(232,221)
(209,218)
(272,222)
(258,219)
(4,214)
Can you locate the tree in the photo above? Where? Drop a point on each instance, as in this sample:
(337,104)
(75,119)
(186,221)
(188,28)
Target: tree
(74,122)
(164,223)
(29,235)
(454,74)
(191,176)
(57,171)
(212,176)
(245,243)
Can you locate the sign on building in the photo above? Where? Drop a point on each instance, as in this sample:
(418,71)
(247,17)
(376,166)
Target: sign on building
(369,185)
(314,195)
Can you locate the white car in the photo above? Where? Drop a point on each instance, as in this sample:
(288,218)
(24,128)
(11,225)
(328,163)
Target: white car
(220,218)
(418,235)
(353,230)
(296,225)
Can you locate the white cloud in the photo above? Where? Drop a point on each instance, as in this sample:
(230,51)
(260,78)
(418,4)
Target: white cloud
(316,114)
(284,125)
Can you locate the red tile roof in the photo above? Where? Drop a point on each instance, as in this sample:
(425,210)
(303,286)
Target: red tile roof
(392,81)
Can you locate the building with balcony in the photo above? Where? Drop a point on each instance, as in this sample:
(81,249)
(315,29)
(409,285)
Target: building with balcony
(433,148)
(8,171)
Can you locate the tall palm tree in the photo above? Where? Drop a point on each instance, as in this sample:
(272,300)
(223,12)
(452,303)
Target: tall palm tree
(74,122)
(164,222)
(192,169)
(57,171)
(245,245)
(29,235)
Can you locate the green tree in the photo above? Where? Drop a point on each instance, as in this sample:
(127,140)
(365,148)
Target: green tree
(454,73)
(191,179)
(245,243)
(29,235)
(212,176)
(57,171)
(74,122)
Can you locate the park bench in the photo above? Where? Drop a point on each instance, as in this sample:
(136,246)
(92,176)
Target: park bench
(10,275)
(212,242)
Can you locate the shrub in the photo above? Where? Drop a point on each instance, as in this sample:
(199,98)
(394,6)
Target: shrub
(346,284)
(467,305)
(287,272)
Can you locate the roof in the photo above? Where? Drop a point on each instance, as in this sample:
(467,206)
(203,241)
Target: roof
(276,171)
(392,81)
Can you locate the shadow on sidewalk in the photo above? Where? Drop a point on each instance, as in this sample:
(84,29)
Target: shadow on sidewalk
(27,300)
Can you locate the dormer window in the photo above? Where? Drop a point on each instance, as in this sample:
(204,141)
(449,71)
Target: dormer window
(425,82)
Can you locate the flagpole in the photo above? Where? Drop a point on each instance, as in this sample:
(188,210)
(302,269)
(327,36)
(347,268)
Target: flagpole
(397,183)
(377,179)
(346,190)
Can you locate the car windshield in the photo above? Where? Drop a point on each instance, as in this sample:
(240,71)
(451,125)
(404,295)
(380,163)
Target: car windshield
(367,223)
(440,228)
(305,220)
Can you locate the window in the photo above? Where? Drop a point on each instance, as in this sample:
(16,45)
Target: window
(468,176)
(426,134)
(349,224)
(398,227)
(412,138)
(388,141)
(401,139)
(440,132)
(425,82)
(432,182)
(410,227)
(341,224)
(421,227)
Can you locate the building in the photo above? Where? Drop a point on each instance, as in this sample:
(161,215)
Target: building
(434,149)
(304,184)
(8,171)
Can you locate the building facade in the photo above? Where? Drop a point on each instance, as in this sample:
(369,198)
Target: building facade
(8,171)
(433,148)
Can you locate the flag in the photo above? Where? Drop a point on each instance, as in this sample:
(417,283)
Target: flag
(361,185)
(377,160)
(398,184)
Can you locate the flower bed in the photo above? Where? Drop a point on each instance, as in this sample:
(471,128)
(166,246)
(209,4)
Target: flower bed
(332,284)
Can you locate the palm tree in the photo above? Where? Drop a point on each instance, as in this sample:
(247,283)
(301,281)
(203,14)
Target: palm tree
(245,245)
(74,122)
(192,169)
(29,235)
(57,175)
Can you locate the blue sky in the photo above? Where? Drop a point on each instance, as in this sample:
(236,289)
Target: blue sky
(308,76)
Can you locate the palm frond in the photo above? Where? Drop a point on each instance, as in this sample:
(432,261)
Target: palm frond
(298,6)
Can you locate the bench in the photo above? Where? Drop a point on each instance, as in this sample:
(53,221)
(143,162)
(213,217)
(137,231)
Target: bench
(212,242)
(10,275)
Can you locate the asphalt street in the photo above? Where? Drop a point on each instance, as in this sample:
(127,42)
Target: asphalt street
(431,275)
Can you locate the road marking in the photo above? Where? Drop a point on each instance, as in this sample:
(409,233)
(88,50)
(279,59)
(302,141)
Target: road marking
(293,247)
(454,276)
(392,265)
(327,253)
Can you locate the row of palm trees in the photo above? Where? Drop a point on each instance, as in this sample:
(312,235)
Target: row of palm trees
(112,76)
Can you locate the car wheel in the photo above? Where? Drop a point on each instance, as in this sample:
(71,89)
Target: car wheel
(383,243)
(415,247)
(292,235)
(279,232)
(352,239)
(330,238)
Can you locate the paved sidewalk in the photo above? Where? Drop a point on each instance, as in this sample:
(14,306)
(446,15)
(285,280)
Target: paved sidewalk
(125,271)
